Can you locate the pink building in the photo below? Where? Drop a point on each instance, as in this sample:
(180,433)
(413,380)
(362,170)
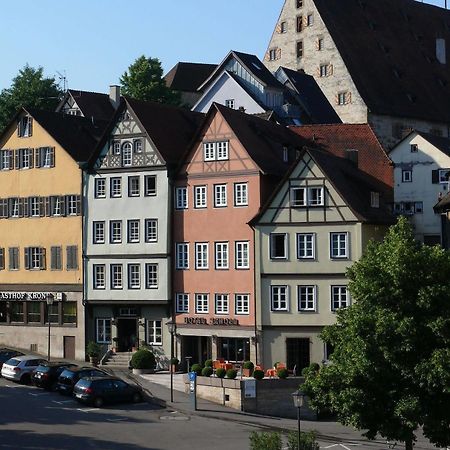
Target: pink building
(226,177)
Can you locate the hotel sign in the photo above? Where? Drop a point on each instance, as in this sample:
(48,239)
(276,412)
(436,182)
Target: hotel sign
(25,296)
(212,321)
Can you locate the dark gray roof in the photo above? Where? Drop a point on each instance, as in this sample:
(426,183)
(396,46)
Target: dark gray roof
(442,143)
(187,76)
(389,48)
(93,104)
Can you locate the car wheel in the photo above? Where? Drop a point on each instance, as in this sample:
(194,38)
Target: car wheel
(25,379)
(137,397)
(98,402)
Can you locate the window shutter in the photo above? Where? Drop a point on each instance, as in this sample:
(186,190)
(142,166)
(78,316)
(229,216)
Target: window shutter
(27,258)
(348,97)
(58,258)
(38,157)
(63,205)
(17,159)
(19,127)
(2,258)
(42,206)
(52,156)
(30,126)
(278,28)
(330,70)
(68,257)
(11,159)
(435,176)
(31,153)
(78,205)
(278,53)
(22,201)
(4,208)
(42,258)
(47,206)
(11,254)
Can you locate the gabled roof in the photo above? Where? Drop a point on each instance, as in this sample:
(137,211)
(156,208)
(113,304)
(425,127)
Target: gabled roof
(78,136)
(310,96)
(91,104)
(441,143)
(338,138)
(187,76)
(252,64)
(393,59)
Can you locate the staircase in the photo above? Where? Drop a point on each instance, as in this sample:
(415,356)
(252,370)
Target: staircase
(118,360)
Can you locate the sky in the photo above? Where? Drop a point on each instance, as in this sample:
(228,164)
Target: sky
(92,42)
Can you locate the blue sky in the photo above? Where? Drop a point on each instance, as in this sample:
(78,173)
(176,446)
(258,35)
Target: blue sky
(94,41)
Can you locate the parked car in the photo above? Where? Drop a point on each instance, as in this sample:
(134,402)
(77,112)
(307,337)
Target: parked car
(46,375)
(20,368)
(7,353)
(69,377)
(99,391)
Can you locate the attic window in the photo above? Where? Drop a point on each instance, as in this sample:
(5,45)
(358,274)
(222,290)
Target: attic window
(414,148)
(299,3)
(309,20)
(283,27)
(25,126)
(375,199)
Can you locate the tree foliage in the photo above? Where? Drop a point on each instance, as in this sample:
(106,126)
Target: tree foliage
(29,89)
(390,370)
(144,81)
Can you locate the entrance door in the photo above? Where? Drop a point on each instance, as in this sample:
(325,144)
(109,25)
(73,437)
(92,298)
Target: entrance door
(297,354)
(69,347)
(127,334)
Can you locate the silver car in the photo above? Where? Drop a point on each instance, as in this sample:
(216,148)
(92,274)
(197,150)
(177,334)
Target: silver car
(20,368)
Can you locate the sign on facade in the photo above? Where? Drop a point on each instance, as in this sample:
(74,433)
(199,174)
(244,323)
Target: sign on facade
(250,388)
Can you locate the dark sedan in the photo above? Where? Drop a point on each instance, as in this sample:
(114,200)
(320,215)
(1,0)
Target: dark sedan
(69,377)
(99,391)
(46,375)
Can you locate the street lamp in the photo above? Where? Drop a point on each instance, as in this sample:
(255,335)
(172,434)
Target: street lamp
(50,298)
(172,327)
(298,397)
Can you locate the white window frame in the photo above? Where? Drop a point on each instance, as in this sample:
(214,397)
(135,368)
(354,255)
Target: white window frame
(307,248)
(134,276)
(154,332)
(147,191)
(35,207)
(222,151)
(209,151)
(151,275)
(101,330)
(202,255)
(407,176)
(277,303)
(200,196)
(443,176)
(229,103)
(99,276)
(99,187)
(72,205)
(182,303)
(242,254)
(222,303)
(115,187)
(302,200)
(221,255)
(98,232)
(242,304)
(342,250)
(272,237)
(133,231)
(151,230)
(340,297)
(181,197)
(116,274)
(115,231)
(127,154)
(306,298)
(201,303)
(240,194)
(182,255)
(220,195)
(134,186)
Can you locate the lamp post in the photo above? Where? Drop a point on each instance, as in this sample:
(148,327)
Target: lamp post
(49,299)
(298,397)
(172,327)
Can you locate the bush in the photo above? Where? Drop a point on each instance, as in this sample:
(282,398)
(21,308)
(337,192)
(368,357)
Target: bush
(174,361)
(143,359)
(231,374)
(258,374)
(197,368)
(249,365)
(282,373)
(207,371)
(265,441)
(93,349)
(307,441)
(209,363)
(313,368)
(220,373)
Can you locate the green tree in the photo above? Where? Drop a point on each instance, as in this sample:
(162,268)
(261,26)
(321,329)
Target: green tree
(29,89)
(144,81)
(390,370)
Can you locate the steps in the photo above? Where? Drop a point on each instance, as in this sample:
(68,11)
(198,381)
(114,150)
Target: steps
(118,359)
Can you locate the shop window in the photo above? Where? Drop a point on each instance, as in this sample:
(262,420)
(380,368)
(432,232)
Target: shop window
(52,313)
(17,312)
(33,312)
(3,312)
(69,312)
(233,349)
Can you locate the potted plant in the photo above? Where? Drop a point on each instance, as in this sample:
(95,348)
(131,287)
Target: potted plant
(231,374)
(174,364)
(143,361)
(248,367)
(207,371)
(93,350)
(197,368)
(282,373)
(258,374)
(220,373)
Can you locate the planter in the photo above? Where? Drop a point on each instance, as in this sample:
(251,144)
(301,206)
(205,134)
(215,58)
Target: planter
(142,371)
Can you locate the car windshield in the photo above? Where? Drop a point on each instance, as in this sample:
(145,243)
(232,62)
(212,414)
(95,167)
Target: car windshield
(67,374)
(13,362)
(83,383)
(43,369)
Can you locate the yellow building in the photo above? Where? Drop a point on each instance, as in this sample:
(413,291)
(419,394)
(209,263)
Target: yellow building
(41,273)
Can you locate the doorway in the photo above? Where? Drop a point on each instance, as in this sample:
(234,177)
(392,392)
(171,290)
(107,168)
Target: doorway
(297,353)
(69,347)
(197,347)
(127,334)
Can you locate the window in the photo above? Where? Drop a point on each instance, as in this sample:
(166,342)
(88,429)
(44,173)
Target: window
(154,332)
(99,276)
(98,232)
(414,148)
(242,303)
(220,195)
(116,147)
(339,297)
(25,126)
(45,157)
(115,231)
(182,251)
(151,276)
(100,187)
(35,258)
(306,246)
(6,160)
(24,158)
(56,258)
(274,54)
(127,154)
(309,20)
(133,227)
(375,199)
(343,98)
(200,197)
(201,303)
(279,298)
(134,276)
(229,103)
(116,187)
(240,194)
(299,49)
(315,196)
(73,204)
(34,206)
(72,257)
(222,303)
(283,27)
(103,331)
(201,255)
(406,176)
(324,70)
(137,143)
(215,150)
(319,44)
(209,151)
(221,255)
(33,312)
(182,303)
(69,312)
(181,198)
(339,245)
(306,298)
(16,311)
(222,150)
(443,176)
(242,254)
(134,187)
(299,3)
(299,23)
(116,276)
(13,204)
(418,207)
(278,245)
(13,258)
(151,230)
(150,185)
(298,197)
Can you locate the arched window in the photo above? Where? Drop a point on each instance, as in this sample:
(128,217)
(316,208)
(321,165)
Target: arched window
(127,152)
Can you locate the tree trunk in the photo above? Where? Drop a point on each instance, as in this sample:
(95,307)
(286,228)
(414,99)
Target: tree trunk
(409,444)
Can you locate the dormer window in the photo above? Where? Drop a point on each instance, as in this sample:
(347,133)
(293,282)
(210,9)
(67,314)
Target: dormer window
(25,126)
(375,199)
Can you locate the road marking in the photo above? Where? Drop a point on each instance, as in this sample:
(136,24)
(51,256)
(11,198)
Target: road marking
(88,410)
(62,402)
(341,445)
(38,395)
(116,420)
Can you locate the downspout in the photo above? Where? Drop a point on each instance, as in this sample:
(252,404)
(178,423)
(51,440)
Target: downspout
(84,210)
(254,296)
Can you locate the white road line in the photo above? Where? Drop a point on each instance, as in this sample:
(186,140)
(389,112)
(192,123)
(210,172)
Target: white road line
(38,395)
(62,402)
(88,410)
(341,445)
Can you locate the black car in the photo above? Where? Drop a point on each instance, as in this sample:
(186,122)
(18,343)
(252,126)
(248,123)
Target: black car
(7,353)
(98,391)
(69,377)
(46,375)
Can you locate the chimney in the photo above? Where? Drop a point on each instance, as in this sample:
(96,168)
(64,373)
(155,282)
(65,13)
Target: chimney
(440,51)
(114,95)
(352,155)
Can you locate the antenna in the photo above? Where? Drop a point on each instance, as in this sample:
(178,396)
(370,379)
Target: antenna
(63,79)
